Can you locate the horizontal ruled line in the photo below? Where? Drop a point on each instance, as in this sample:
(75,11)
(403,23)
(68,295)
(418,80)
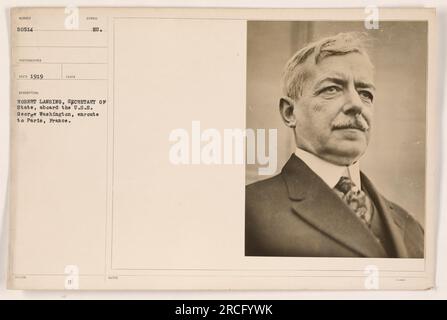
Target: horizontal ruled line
(70,30)
(61,79)
(24,46)
(24,62)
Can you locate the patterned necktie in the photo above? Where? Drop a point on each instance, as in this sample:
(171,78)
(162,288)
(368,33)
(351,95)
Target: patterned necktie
(355,198)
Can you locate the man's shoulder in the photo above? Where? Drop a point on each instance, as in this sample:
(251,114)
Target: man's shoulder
(404,218)
(269,183)
(412,231)
(271,189)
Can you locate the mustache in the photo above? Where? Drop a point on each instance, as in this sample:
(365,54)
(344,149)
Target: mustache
(358,122)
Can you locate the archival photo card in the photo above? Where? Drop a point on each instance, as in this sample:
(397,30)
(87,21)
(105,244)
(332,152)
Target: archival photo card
(216,149)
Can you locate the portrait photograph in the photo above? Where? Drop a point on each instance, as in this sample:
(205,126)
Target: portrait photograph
(348,102)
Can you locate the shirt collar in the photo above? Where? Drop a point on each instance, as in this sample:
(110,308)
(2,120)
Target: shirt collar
(329,172)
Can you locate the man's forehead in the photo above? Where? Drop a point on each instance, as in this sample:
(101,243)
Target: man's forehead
(346,66)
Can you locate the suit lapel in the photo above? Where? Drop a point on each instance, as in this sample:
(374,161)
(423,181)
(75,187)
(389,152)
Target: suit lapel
(391,219)
(314,202)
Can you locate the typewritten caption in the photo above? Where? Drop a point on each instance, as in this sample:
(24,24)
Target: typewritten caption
(57,111)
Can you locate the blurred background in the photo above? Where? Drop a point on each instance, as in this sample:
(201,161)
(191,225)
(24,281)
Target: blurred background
(395,159)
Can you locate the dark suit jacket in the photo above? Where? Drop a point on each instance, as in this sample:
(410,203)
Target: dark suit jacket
(296,214)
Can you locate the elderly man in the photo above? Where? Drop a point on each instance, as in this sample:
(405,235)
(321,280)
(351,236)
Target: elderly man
(321,205)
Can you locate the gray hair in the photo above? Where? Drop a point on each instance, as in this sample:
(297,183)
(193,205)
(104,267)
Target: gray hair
(295,73)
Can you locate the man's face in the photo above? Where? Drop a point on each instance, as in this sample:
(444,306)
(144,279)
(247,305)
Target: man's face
(334,112)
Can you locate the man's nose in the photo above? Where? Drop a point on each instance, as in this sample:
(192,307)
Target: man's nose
(353,104)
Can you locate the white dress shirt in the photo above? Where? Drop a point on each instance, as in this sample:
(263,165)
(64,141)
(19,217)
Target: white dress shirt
(329,172)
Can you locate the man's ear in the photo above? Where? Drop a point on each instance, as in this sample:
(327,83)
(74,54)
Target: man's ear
(286,108)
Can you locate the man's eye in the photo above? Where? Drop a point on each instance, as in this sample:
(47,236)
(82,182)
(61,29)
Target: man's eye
(366,95)
(330,90)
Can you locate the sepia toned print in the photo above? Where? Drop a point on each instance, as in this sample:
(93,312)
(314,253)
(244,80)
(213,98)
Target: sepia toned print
(209,149)
(322,203)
